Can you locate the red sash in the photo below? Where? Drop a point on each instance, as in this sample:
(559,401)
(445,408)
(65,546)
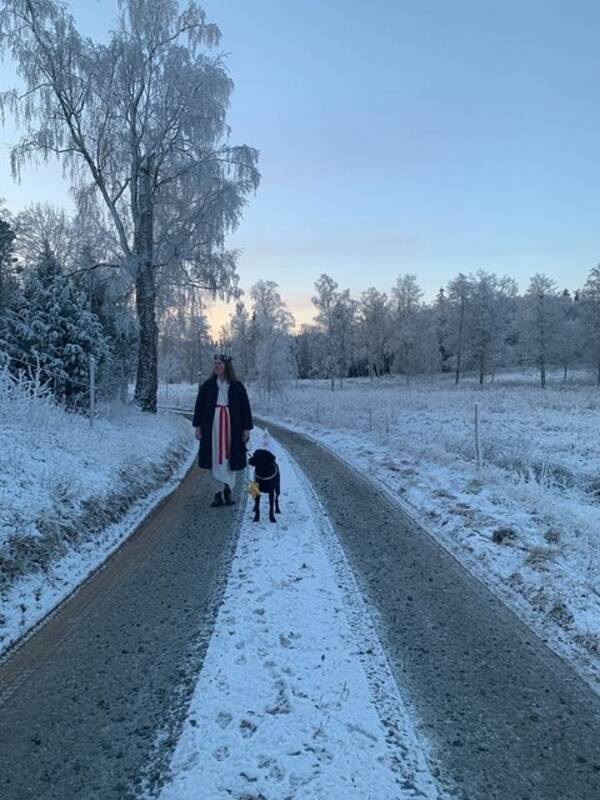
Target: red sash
(224,433)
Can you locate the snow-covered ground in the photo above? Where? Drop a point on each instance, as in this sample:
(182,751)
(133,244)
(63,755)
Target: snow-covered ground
(69,494)
(295,698)
(527,525)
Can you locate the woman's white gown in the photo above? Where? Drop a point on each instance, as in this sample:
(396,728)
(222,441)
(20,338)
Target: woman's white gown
(221,437)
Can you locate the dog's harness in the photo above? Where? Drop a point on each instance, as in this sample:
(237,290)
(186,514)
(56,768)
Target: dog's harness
(270,478)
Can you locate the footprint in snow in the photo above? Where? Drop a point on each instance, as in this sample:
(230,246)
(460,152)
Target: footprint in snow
(221,753)
(247,728)
(276,771)
(223,719)
(281,704)
(288,639)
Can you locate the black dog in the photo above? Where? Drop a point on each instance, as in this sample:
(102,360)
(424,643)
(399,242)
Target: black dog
(266,474)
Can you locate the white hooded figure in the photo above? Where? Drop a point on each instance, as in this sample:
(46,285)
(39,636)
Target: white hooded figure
(266,442)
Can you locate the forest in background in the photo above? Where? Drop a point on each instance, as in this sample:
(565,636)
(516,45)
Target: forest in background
(478,323)
(59,307)
(116,294)
(139,124)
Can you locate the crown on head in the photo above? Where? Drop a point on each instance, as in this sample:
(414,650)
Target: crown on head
(223,353)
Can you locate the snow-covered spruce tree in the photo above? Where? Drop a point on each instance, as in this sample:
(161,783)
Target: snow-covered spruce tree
(140,125)
(540,323)
(590,316)
(52,335)
(8,264)
(108,295)
(442,329)
(273,325)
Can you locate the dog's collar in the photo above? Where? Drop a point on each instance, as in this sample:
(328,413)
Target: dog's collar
(261,478)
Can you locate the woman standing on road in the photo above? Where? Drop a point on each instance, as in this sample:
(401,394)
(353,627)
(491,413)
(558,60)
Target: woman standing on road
(222,422)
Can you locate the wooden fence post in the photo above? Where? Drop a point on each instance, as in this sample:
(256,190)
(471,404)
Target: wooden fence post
(477,440)
(92,390)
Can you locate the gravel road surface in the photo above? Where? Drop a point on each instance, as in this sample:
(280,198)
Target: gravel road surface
(509,719)
(82,701)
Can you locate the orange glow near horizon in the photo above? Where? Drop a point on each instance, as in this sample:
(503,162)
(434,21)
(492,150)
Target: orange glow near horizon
(300,305)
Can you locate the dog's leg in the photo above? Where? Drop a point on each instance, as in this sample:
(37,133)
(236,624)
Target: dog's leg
(277,493)
(272,505)
(257,508)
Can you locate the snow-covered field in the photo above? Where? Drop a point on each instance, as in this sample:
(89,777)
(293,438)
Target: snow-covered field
(528,524)
(295,698)
(69,494)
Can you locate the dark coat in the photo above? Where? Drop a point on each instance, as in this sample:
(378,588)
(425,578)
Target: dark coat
(239,413)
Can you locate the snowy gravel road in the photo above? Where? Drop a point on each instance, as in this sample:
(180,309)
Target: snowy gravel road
(82,701)
(509,720)
(304,684)
(295,700)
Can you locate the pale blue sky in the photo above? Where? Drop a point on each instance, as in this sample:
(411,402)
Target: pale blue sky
(409,136)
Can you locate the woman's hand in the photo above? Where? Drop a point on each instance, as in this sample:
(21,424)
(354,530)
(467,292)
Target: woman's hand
(245,436)
(198,433)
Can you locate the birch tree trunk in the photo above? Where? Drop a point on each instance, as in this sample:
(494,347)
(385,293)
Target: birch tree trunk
(146,386)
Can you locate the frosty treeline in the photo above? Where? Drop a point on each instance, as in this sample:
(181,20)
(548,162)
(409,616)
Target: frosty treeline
(57,312)
(477,323)
(261,338)
(61,306)
(140,126)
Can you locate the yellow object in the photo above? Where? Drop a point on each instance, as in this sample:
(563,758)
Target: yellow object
(253,489)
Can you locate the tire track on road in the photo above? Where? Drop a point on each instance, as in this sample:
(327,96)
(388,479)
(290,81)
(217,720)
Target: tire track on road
(509,719)
(84,697)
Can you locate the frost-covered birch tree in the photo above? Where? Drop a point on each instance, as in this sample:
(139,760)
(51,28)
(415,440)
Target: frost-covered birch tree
(590,298)
(490,315)
(273,325)
(406,309)
(140,125)
(374,329)
(324,301)
(334,318)
(540,323)
(344,320)
(242,335)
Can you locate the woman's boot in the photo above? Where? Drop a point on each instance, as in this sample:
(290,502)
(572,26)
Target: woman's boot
(229,501)
(217,501)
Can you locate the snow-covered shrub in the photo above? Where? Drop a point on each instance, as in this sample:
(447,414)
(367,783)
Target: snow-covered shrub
(50,334)
(62,482)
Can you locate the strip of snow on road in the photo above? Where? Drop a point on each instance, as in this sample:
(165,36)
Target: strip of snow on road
(295,688)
